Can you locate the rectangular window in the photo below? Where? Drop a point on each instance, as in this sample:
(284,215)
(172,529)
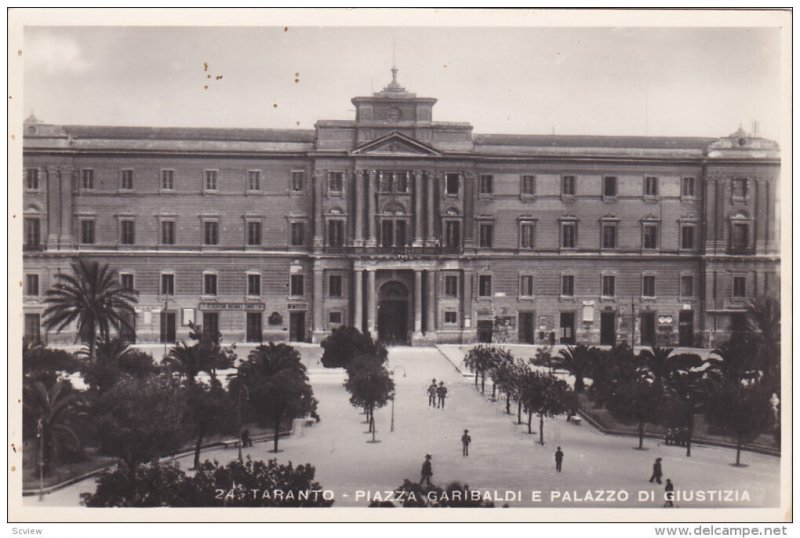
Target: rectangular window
(334,318)
(211,233)
(687,237)
(401,185)
(253,284)
(528,185)
(486,184)
(610,186)
(740,236)
(387,233)
(31,285)
(739,188)
(648,286)
(87,232)
(33,232)
(451,184)
(609,236)
(526,286)
(127,232)
(167,284)
(485,285)
(298,180)
(400,233)
(32,179)
(210,180)
(568,185)
(452,234)
(687,187)
(609,285)
(486,235)
(167,232)
(385,181)
(451,286)
(126,281)
(126,180)
(33,324)
(298,234)
(254,180)
(335,286)
(526,239)
(450,317)
(209,284)
(568,234)
(254,233)
(335,182)
(336,233)
(650,186)
(296,285)
(87,179)
(687,286)
(650,236)
(739,286)
(168,180)
(567,285)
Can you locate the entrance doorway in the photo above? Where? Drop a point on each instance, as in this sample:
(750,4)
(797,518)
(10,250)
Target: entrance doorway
(648,328)
(485,327)
(608,328)
(526,328)
(167,327)
(567,328)
(686,328)
(297,326)
(393,314)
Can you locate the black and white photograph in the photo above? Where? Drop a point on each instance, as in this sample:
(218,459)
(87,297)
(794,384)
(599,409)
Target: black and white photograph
(529,262)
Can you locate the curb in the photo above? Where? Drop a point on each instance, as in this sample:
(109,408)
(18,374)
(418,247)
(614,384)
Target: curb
(457,368)
(80,478)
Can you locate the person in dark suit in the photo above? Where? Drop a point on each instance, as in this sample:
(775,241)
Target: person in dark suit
(559,459)
(657,473)
(669,494)
(441,392)
(427,471)
(465,441)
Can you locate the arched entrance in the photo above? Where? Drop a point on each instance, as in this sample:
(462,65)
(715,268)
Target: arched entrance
(393,314)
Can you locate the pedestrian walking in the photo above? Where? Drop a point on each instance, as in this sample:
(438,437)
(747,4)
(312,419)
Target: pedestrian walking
(441,392)
(432,394)
(465,441)
(427,471)
(669,494)
(657,473)
(559,459)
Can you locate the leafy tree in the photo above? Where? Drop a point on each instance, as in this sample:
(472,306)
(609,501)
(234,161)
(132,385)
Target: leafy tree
(504,377)
(114,359)
(277,383)
(156,484)
(543,357)
(370,386)
(93,298)
(544,394)
(209,409)
(635,397)
(741,409)
(481,359)
(206,354)
(734,361)
(345,344)
(577,360)
(52,412)
(687,387)
(142,419)
(44,364)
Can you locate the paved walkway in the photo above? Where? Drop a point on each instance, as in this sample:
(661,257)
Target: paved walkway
(503,456)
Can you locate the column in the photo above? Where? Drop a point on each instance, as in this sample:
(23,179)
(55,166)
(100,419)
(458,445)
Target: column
(417,302)
(358,189)
(358,284)
(418,209)
(319,176)
(431,195)
(467,299)
(371,208)
(371,302)
(318,306)
(52,179)
(430,319)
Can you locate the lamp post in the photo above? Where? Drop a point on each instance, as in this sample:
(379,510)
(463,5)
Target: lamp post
(241,388)
(40,435)
(774,401)
(391,428)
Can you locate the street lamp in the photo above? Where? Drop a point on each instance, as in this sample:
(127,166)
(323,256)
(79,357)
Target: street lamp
(40,435)
(774,401)
(391,373)
(241,388)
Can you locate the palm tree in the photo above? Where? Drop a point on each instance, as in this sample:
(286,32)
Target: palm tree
(656,360)
(205,355)
(577,360)
(93,298)
(56,407)
(764,324)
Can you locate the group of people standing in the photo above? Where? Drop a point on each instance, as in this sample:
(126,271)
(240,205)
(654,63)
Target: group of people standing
(437,394)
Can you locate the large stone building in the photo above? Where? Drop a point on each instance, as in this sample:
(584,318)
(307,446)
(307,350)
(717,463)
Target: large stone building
(416,230)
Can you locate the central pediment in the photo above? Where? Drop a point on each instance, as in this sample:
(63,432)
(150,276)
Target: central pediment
(395,144)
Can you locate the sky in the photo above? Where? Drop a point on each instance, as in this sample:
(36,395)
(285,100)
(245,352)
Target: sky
(611,81)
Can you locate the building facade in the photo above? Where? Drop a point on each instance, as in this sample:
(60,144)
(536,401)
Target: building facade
(415,230)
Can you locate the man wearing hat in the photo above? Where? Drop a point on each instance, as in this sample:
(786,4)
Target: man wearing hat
(427,471)
(465,441)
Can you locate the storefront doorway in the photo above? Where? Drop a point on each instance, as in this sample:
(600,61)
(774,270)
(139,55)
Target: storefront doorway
(393,314)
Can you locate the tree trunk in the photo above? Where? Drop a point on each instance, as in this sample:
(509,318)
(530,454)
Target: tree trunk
(530,415)
(483,383)
(641,434)
(198,445)
(541,429)
(689,434)
(738,448)
(476,379)
(494,390)
(277,426)
(508,403)
(519,411)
